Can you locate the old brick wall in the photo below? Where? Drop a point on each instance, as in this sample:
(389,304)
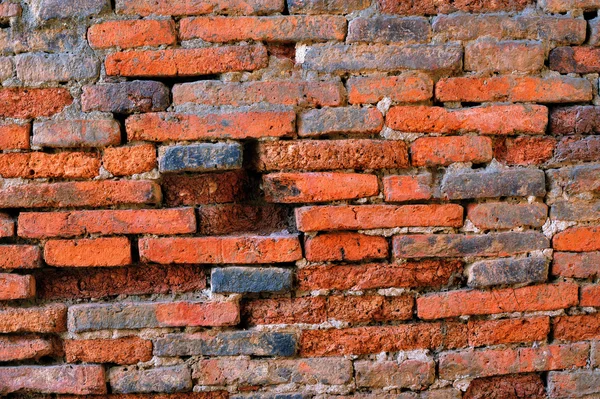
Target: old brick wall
(329,199)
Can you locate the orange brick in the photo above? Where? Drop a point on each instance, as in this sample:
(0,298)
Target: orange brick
(494,332)
(15,286)
(20,257)
(69,165)
(433,151)
(186,7)
(14,136)
(127,34)
(408,188)
(406,88)
(524,150)
(88,252)
(128,350)
(130,160)
(26,103)
(576,328)
(43,319)
(577,239)
(590,296)
(345,247)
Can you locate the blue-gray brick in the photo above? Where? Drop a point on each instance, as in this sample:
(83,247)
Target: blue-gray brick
(578,211)
(62,67)
(270,396)
(163,380)
(61,9)
(493,184)
(251,279)
(250,343)
(487,273)
(201,157)
(126,97)
(89,317)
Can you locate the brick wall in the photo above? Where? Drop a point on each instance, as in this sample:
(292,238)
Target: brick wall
(328,199)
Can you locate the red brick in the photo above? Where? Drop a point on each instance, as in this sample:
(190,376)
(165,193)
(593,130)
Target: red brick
(506,331)
(574,384)
(295,92)
(590,296)
(577,239)
(576,328)
(406,88)
(76,133)
(238,218)
(106,222)
(20,257)
(433,151)
(576,265)
(127,34)
(186,62)
(559,6)
(318,187)
(408,188)
(428,7)
(367,340)
(524,150)
(72,379)
(528,386)
(412,374)
(328,7)
(345,247)
(493,119)
(33,165)
(14,136)
(94,252)
(331,154)
(181,314)
(505,56)
(504,300)
(577,149)
(501,215)
(7,226)
(25,347)
(225,249)
(128,350)
(489,362)
(207,188)
(576,179)
(44,319)
(575,59)
(180,395)
(560,89)
(15,286)
(77,194)
(184,7)
(578,119)
(130,160)
(349,217)
(232,125)
(427,273)
(26,103)
(339,120)
(270,29)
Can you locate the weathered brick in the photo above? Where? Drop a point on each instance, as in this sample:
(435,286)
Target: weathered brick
(15,286)
(62,9)
(594,38)
(239,218)
(341,120)
(41,165)
(501,215)
(72,379)
(492,119)
(345,247)
(44,319)
(247,372)
(318,187)
(428,7)
(508,271)
(579,119)
(225,249)
(408,87)
(490,362)
(494,183)
(160,379)
(9,10)
(493,332)
(590,296)
(179,7)
(106,222)
(250,279)
(14,136)
(576,265)
(389,29)
(76,133)
(457,245)
(331,154)
(427,273)
(7,226)
(271,29)
(407,188)
(576,179)
(14,347)
(127,350)
(411,374)
(125,97)
(576,328)
(20,257)
(573,149)
(133,33)
(28,103)
(217,394)
(220,125)
(208,188)
(510,387)
(505,300)
(102,316)
(432,151)
(201,157)
(367,340)
(295,92)
(574,384)
(327,7)
(93,252)
(349,217)
(561,89)
(557,6)
(524,150)
(504,56)
(186,62)
(73,283)
(62,67)
(577,211)
(340,58)
(575,59)
(250,343)
(577,239)
(77,194)
(129,160)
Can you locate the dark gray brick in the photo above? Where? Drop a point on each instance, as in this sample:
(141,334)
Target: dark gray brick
(576,211)
(126,97)
(492,184)
(251,279)
(386,29)
(201,157)
(163,380)
(89,317)
(486,273)
(61,9)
